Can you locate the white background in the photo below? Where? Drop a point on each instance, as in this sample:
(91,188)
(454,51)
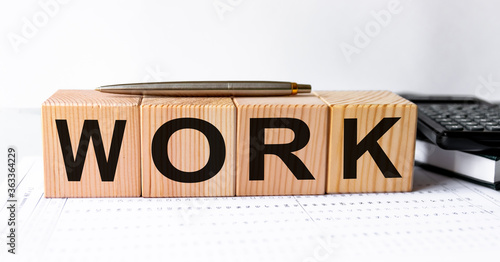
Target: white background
(424,46)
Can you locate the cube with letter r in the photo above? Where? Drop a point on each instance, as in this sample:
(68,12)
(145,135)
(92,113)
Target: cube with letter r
(281,145)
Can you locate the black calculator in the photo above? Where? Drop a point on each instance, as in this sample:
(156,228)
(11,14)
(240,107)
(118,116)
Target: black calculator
(458,122)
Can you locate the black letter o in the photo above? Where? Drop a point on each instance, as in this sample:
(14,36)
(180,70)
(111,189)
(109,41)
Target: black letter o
(160,154)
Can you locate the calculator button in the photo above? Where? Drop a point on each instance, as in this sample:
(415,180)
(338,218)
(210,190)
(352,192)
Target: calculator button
(445,119)
(448,123)
(454,127)
(458,116)
(474,128)
(471,123)
(441,116)
(482,120)
(493,128)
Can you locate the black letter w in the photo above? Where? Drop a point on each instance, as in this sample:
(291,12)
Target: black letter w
(74,165)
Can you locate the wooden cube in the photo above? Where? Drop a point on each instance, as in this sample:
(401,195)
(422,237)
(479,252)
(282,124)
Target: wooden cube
(188,146)
(91,144)
(281,145)
(372,141)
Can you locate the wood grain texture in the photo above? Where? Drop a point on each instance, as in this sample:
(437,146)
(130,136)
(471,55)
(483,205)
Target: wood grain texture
(398,143)
(76,106)
(278,178)
(188,149)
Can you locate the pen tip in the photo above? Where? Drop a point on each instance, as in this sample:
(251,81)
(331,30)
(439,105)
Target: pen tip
(302,88)
(98,88)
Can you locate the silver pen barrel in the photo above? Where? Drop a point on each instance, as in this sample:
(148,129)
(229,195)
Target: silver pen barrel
(210,88)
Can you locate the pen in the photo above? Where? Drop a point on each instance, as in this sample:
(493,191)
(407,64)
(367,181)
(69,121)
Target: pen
(209,88)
